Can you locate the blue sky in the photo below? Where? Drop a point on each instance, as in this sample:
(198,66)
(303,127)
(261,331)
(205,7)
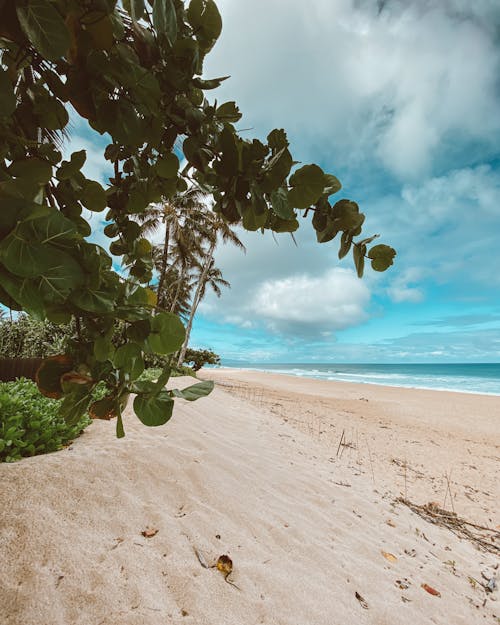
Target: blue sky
(401,100)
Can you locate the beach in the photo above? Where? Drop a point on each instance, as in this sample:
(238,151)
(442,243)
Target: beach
(299,482)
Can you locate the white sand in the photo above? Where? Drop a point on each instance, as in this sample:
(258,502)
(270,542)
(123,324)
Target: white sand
(224,477)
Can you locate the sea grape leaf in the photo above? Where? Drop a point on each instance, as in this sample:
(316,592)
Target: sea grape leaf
(94,301)
(228,112)
(93,196)
(35,169)
(167,333)
(359,252)
(165,19)
(68,169)
(44,27)
(382,257)
(167,166)
(7,95)
(280,204)
(48,376)
(307,184)
(332,185)
(129,358)
(154,410)
(195,391)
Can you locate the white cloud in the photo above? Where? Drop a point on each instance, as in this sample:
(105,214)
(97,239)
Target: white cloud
(402,287)
(332,301)
(393,86)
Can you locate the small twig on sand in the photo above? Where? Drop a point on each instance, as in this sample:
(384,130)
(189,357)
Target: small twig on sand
(341,439)
(448,478)
(406,490)
(370,457)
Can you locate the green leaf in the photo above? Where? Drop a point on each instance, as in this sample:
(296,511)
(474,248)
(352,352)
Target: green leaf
(44,27)
(48,376)
(128,357)
(100,27)
(359,252)
(204,17)
(228,112)
(167,333)
(103,348)
(346,215)
(307,185)
(277,139)
(252,220)
(75,403)
(165,19)
(155,410)
(228,164)
(195,391)
(94,301)
(50,113)
(29,259)
(7,96)
(68,169)
(93,196)
(332,185)
(382,257)
(345,244)
(120,432)
(167,166)
(280,204)
(35,169)
(211,83)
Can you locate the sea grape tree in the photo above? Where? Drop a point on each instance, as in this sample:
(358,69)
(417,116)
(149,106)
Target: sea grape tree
(134,71)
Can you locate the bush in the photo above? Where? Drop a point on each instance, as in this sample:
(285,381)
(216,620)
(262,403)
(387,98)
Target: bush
(30,423)
(200,357)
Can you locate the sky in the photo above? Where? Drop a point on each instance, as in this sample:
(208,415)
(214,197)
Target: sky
(401,100)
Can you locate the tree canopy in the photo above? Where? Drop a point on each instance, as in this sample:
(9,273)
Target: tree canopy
(134,71)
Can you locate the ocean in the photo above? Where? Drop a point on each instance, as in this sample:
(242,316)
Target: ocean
(481,378)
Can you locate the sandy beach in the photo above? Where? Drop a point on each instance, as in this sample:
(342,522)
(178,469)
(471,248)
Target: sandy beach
(295,480)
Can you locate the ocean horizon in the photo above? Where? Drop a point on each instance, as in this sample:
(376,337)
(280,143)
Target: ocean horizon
(478,378)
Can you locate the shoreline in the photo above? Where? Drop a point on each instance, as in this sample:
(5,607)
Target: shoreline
(334,380)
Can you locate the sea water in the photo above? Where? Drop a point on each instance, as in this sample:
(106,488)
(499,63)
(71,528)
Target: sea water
(481,378)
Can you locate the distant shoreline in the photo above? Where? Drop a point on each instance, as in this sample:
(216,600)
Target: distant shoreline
(300,372)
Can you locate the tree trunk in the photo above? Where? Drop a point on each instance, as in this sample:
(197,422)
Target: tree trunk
(178,289)
(163,268)
(196,301)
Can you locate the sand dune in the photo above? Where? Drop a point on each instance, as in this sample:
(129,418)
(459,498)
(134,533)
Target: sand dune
(305,531)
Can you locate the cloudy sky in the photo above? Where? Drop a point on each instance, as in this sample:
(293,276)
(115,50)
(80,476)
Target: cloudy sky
(401,100)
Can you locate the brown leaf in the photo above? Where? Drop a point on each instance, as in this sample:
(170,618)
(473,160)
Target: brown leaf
(149,532)
(224,565)
(362,601)
(391,523)
(389,556)
(431,590)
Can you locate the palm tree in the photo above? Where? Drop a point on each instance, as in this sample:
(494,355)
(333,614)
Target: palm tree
(220,229)
(183,219)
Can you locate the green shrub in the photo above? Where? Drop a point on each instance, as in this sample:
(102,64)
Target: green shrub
(30,423)
(151,375)
(196,358)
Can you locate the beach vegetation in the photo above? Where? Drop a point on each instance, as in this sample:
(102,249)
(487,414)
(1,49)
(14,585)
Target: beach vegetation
(31,424)
(132,71)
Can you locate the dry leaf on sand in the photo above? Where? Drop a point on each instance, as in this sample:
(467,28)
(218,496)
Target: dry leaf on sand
(149,532)
(389,556)
(362,601)
(224,565)
(431,590)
